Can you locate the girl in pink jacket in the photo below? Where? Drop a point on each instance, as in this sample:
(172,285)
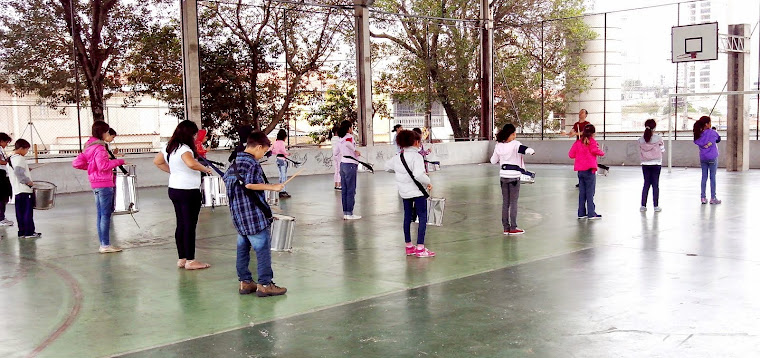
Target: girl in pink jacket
(99,168)
(584,151)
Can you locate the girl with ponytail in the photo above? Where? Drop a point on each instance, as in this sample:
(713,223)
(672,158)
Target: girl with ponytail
(651,147)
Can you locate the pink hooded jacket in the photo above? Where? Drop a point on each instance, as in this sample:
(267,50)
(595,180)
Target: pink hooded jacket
(585,155)
(99,167)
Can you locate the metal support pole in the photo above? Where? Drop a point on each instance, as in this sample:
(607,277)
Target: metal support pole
(191,70)
(76,76)
(363,73)
(543,116)
(486,68)
(604,91)
(675,112)
(429,95)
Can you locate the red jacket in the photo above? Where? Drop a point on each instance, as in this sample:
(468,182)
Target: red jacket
(95,161)
(585,155)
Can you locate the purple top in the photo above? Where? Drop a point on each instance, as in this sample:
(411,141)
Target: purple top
(708,144)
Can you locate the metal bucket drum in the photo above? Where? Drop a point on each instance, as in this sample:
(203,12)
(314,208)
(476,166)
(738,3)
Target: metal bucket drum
(602,170)
(363,169)
(44,195)
(213,192)
(125,198)
(432,167)
(435,207)
(273,197)
(282,232)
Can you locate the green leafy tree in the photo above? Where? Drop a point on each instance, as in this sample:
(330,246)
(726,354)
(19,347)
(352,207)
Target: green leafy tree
(339,104)
(446,55)
(38,39)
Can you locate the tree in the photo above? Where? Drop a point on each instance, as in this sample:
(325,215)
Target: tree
(446,53)
(339,105)
(38,38)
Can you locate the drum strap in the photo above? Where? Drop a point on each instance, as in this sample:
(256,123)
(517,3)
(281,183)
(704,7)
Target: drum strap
(366,165)
(110,153)
(210,164)
(252,194)
(419,185)
(518,168)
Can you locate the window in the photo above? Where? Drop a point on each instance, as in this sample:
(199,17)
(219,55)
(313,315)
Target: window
(706,17)
(705,10)
(705,85)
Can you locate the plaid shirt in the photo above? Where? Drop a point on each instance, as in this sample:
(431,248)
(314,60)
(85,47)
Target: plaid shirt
(247,217)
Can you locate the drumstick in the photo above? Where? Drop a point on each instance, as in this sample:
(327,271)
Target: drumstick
(293,176)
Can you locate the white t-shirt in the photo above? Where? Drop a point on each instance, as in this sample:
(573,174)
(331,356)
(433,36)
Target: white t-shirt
(181,176)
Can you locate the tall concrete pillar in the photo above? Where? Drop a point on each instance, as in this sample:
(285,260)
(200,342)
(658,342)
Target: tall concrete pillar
(363,72)
(191,69)
(737,138)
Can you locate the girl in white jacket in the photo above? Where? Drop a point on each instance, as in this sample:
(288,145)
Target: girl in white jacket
(509,154)
(413,193)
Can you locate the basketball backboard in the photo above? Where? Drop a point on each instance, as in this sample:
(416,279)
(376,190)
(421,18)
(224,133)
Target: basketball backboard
(694,42)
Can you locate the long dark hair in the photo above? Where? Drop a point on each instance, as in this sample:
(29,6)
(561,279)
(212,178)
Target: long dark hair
(282,134)
(649,125)
(588,131)
(99,128)
(183,134)
(343,129)
(699,126)
(505,132)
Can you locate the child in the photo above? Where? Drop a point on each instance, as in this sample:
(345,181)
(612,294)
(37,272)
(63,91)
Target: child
(584,151)
(509,154)
(279,150)
(651,148)
(5,185)
(348,168)
(707,139)
(251,216)
(334,139)
(22,184)
(99,166)
(410,179)
(424,153)
(394,133)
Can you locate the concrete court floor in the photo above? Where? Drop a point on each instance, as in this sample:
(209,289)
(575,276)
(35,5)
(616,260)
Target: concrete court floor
(680,283)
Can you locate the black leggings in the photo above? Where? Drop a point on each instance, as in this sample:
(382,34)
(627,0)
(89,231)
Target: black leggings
(651,178)
(187,206)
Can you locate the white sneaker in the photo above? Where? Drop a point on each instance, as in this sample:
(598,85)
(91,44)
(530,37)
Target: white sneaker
(351,217)
(644,208)
(6,222)
(657,209)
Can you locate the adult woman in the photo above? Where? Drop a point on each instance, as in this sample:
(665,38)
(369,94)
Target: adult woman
(348,167)
(178,159)
(99,168)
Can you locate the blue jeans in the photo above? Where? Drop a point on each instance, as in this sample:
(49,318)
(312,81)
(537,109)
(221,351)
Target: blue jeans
(710,166)
(104,204)
(651,179)
(348,183)
(419,206)
(25,214)
(282,167)
(262,244)
(587,189)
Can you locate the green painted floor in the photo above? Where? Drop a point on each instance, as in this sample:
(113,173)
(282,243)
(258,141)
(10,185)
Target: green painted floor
(677,283)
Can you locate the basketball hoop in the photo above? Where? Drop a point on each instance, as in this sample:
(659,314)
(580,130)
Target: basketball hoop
(693,54)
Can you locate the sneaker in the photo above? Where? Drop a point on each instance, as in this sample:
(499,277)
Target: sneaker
(657,209)
(597,217)
(6,222)
(284,194)
(704,200)
(410,250)
(270,290)
(582,217)
(247,287)
(338,188)
(643,209)
(506,232)
(516,231)
(715,201)
(36,235)
(108,249)
(424,253)
(351,217)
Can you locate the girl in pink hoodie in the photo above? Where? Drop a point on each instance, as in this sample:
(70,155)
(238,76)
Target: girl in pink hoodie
(99,168)
(584,151)
(651,147)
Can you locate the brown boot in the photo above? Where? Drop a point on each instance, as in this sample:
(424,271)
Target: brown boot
(270,290)
(247,287)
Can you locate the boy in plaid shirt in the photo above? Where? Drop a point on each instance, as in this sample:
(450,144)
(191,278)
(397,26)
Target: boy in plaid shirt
(252,216)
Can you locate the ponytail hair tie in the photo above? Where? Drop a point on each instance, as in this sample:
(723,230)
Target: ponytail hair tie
(647,127)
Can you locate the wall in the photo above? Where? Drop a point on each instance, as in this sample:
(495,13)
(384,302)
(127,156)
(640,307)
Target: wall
(319,160)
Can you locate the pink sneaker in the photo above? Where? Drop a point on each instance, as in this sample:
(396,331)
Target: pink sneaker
(410,250)
(424,253)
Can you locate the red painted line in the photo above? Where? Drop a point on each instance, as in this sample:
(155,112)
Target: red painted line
(76,291)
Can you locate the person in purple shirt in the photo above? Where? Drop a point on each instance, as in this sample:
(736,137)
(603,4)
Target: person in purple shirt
(707,139)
